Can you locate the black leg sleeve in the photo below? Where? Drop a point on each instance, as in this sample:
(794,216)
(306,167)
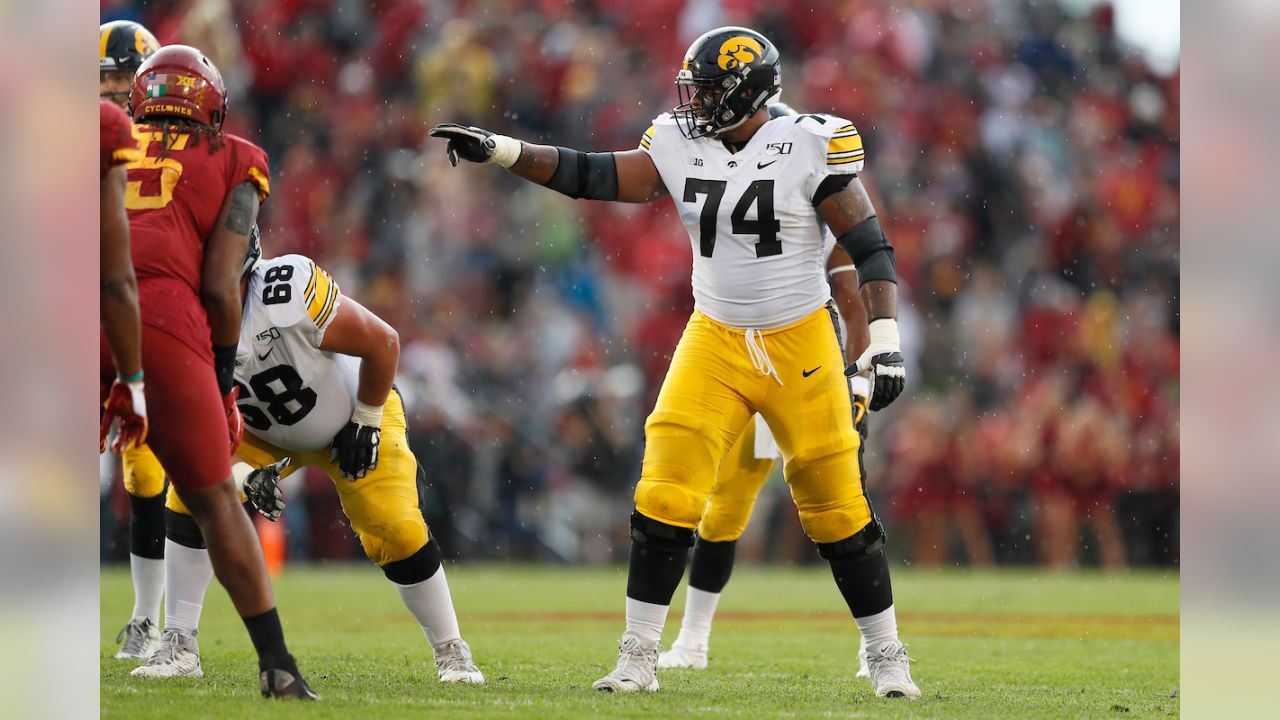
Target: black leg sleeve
(861,570)
(146,526)
(658,555)
(711,565)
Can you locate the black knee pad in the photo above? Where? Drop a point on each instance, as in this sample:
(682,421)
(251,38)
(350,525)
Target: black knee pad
(417,567)
(183,530)
(867,543)
(655,534)
(146,526)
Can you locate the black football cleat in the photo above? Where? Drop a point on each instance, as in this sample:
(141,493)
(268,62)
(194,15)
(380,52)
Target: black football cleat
(281,683)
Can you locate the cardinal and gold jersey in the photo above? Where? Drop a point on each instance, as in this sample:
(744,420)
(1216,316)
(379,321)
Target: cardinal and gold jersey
(293,394)
(759,246)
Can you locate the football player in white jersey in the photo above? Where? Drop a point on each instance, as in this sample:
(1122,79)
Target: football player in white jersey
(315,372)
(755,194)
(746,467)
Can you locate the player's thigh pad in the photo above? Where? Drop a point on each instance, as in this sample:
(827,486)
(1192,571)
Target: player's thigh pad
(143,475)
(188,426)
(698,415)
(383,505)
(737,486)
(812,419)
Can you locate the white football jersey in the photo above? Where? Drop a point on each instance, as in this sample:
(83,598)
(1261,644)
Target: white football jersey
(293,394)
(759,246)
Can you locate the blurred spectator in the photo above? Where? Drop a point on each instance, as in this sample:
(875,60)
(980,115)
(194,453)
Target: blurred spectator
(1026,168)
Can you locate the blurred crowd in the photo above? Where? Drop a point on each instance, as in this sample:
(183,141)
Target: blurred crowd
(1024,163)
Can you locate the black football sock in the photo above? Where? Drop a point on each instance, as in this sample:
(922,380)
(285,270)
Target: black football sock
(861,570)
(268,639)
(146,526)
(711,565)
(659,553)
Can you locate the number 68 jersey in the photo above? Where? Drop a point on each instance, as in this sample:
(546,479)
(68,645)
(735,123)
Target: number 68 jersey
(759,259)
(293,394)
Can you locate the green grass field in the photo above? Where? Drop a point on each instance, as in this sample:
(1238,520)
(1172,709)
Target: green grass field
(1011,644)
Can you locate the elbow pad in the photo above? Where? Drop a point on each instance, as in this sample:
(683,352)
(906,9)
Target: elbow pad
(871,252)
(593,176)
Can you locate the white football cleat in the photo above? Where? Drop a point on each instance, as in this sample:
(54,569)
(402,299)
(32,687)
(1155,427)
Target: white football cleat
(694,658)
(890,668)
(863,670)
(637,667)
(454,663)
(141,638)
(177,656)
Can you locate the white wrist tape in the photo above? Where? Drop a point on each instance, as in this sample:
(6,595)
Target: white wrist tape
(370,415)
(884,333)
(860,385)
(138,397)
(506,150)
(241,470)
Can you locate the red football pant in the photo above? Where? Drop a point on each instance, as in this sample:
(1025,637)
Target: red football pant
(188,425)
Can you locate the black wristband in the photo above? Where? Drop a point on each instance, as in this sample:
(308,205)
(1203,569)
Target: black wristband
(224,366)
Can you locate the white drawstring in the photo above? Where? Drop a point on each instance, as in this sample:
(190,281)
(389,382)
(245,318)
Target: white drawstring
(754,340)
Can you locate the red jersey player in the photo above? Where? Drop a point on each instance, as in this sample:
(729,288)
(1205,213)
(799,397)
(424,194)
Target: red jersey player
(119,292)
(192,201)
(123,45)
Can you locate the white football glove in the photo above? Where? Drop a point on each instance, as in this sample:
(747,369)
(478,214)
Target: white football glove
(883,357)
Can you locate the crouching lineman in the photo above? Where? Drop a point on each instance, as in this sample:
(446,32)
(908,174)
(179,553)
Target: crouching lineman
(744,470)
(315,373)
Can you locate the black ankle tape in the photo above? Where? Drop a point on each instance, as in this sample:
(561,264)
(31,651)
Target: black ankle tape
(417,567)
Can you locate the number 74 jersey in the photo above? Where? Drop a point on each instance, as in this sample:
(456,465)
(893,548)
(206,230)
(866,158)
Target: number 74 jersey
(759,258)
(293,394)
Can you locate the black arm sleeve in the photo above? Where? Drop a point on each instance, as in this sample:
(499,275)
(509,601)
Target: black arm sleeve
(593,176)
(871,252)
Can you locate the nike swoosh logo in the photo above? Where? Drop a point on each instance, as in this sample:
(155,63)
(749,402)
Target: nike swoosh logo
(807,373)
(761,166)
(264,355)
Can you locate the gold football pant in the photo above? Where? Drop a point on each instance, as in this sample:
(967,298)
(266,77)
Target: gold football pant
(738,484)
(716,382)
(382,506)
(143,476)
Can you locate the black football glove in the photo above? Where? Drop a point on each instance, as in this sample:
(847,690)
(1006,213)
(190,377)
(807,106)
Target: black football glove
(884,358)
(355,449)
(262,487)
(477,145)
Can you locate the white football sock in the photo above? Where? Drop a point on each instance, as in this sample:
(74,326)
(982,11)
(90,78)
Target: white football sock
(432,606)
(878,629)
(646,619)
(699,610)
(188,577)
(148,587)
